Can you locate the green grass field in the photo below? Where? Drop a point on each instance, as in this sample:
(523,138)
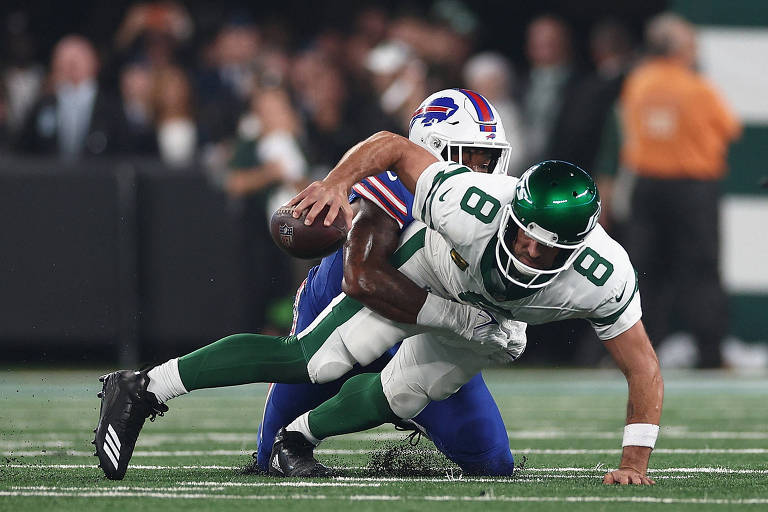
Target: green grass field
(712,453)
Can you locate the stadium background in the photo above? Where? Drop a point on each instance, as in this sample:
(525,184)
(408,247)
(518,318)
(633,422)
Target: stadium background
(124,258)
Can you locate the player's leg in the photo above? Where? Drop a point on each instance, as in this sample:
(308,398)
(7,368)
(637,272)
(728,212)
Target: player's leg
(319,354)
(423,369)
(467,428)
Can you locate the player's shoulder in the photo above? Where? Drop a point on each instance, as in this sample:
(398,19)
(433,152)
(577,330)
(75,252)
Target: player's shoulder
(440,176)
(605,264)
(602,243)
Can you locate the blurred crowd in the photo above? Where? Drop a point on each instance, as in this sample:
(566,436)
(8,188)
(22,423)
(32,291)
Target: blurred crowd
(162,90)
(264,110)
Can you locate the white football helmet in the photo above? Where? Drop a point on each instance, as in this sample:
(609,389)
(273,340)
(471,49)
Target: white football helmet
(453,119)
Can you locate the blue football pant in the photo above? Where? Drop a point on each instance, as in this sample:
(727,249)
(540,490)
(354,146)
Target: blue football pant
(466,427)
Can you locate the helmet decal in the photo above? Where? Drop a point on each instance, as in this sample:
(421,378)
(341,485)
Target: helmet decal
(435,112)
(483,110)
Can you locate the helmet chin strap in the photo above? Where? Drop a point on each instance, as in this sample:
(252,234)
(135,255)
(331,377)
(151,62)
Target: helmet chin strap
(521,269)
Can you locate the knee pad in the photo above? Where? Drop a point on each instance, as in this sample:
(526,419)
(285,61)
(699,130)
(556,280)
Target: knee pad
(330,362)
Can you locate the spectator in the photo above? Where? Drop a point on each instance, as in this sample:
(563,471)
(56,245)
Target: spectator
(153,32)
(77,118)
(578,133)
(22,76)
(551,78)
(491,75)
(676,131)
(227,81)
(330,128)
(399,79)
(267,165)
(174,123)
(137,132)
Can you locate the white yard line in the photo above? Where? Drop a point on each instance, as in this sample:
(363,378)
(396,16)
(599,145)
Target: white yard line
(488,498)
(322,451)
(545,470)
(151,439)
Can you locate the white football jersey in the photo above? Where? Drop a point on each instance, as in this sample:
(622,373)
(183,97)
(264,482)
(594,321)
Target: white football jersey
(463,210)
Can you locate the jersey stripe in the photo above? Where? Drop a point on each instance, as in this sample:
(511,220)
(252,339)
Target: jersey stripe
(364,192)
(610,319)
(381,187)
(438,180)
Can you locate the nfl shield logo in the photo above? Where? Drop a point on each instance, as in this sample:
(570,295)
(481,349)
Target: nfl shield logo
(286,234)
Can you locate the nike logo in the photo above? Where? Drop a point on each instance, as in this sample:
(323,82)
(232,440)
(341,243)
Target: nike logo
(392,177)
(442,197)
(619,296)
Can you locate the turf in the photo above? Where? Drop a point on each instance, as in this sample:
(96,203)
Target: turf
(711,455)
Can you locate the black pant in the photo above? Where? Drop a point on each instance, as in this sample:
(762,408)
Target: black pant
(673,239)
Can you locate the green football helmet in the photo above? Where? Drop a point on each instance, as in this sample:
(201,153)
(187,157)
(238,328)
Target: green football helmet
(557,204)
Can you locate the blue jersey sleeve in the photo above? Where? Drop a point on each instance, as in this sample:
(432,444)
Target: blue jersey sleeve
(389,194)
(324,281)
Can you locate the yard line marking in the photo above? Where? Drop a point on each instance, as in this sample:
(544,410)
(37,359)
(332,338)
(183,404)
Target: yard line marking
(321,451)
(61,439)
(115,488)
(10,445)
(138,466)
(292,483)
(718,470)
(373,497)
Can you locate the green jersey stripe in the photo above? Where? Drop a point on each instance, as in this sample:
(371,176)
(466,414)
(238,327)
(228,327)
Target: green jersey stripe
(408,249)
(438,180)
(342,311)
(608,320)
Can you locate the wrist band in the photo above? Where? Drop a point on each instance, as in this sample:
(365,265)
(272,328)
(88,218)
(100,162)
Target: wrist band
(640,434)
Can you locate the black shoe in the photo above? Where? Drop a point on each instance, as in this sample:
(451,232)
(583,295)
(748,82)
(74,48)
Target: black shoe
(125,404)
(292,456)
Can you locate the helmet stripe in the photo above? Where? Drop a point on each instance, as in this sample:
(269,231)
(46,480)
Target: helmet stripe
(483,109)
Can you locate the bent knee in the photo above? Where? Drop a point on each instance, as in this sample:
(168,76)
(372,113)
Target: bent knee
(330,362)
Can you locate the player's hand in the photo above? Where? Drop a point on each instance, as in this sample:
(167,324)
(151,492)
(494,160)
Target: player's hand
(517,340)
(484,331)
(626,476)
(319,194)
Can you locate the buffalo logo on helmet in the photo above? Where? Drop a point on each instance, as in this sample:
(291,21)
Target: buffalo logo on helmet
(437,111)
(286,234)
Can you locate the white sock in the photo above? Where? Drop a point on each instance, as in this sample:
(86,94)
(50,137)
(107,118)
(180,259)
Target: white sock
(165,381)
(301,424)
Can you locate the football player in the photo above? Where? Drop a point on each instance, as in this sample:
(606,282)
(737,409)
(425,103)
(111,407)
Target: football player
(467,427)
(460,125)
(529,249)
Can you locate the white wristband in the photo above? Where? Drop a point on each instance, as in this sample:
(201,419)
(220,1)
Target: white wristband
(640,434)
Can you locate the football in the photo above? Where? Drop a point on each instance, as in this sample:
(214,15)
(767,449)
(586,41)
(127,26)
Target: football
(307,242)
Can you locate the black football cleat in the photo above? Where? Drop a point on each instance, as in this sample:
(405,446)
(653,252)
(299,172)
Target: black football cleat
(125,404)
(292,456)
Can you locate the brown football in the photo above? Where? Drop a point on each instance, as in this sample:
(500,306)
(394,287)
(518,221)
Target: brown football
(307,242)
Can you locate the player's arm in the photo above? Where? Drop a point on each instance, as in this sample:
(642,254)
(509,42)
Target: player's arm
(378,153)
(368,275)
(635,357)
(370,278)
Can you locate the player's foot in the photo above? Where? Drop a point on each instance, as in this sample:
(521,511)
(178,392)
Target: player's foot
(125,404)
(292,456)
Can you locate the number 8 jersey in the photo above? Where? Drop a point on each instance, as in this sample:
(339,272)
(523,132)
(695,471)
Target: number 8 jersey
(463,210)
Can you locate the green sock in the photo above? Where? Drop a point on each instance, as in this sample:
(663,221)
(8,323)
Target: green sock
(359,405)
(244,359)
